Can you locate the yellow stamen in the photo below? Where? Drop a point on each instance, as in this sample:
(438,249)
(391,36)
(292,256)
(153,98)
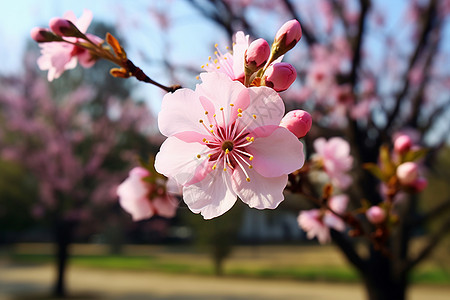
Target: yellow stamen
(251,157)
(201,121)
(216,45)
(198,156)
(231,104)
(206,112)
(239,110)
(248,179)
(239,115)
(254,116)
(250,167)
(214,167)
(197,77)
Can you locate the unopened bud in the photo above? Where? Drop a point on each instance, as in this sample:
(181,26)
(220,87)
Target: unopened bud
(280,76)
(376,215)
(290,32)
(43,35)
(402,144)
(120,73)
(256,55)
(420,184)
(298,122)
(63,27)
(407,173)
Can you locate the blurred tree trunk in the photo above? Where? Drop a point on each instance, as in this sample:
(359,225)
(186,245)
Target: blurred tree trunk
(63,231)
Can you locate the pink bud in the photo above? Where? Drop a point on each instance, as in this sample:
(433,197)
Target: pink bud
(298,122)
(257,54)
(43,35)
(420,184)
(63,27)
(407,173)
(291,32)
(139,172)
(402,144)
(280,76)
(376,215)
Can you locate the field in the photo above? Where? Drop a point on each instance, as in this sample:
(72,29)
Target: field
(153,272)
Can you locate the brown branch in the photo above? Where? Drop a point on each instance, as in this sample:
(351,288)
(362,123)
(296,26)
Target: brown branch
(434,241)
(427,26)
(349,250)
(418,99)
(141,76)
(432,214)
(306,33)
(435,114)
(365,6)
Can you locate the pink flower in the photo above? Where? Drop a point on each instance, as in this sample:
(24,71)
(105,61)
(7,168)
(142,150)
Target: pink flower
(59,56)
(298,122)
(257,54)
(280,76)
(402,143)
(222,143)
(230,64)
(376,215)
(134,194)
(290,33)
(420,184)
(334,156)
(317,223)
(407,173)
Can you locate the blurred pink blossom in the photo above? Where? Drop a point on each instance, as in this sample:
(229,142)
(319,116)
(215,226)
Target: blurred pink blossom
(334,156)
(138,197)
(317,222)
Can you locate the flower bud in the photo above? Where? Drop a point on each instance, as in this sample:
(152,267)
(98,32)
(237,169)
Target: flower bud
(402,144)
(280,76)
(256,55)
(290,33)
(420,184)
(376,215)
(63,27)
(298,122)
(407,173)
(43,35)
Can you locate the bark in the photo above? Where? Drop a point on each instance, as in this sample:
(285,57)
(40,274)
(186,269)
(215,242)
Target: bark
(63,238)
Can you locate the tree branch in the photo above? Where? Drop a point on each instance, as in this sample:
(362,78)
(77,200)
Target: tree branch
(434,241)
(349,250)
(306,33)
(433,213)
(427,26)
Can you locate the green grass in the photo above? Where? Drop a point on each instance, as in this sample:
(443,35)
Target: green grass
(150,263)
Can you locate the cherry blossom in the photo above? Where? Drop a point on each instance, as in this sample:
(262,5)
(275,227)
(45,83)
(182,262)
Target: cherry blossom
(56,57)
(334,156)
(317,222)
(224,141)
(144,199)
(231,64)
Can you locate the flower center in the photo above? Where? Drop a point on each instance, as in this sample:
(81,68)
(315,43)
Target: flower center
(227,145)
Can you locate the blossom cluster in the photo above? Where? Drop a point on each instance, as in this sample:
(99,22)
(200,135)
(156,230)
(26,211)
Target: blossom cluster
(231,138)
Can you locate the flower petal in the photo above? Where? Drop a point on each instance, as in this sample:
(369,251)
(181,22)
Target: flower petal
(181,111)
(261,192)
(178,159)
(266,108)
(222,91)
(212,196)
(279,153)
